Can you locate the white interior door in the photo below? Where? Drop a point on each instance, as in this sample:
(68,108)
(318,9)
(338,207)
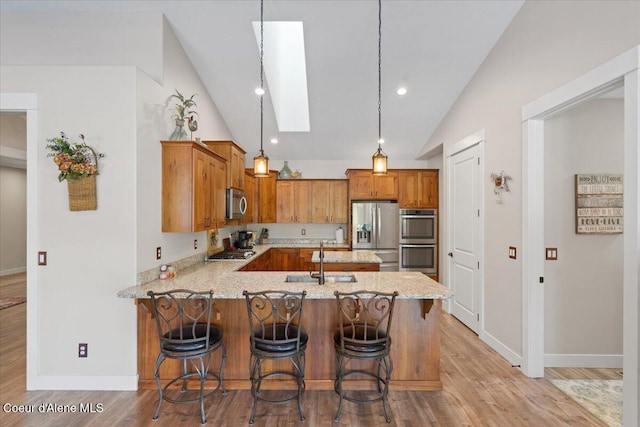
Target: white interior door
(464,236)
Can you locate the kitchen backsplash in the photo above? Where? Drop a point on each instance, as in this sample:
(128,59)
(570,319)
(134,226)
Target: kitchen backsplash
(294,231)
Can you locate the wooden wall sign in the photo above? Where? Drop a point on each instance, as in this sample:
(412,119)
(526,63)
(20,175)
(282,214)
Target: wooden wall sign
(599,204)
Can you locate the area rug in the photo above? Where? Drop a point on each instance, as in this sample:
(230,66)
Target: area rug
(603,398)
(11,301)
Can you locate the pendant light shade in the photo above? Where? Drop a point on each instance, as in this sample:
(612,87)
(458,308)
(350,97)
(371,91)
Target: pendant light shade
(261,162)
(261,165)
(379,162)
(379,158)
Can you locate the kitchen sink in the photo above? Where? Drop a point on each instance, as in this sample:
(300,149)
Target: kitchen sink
(328,278)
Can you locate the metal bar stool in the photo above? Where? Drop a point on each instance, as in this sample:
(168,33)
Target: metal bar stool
(363,334)
(183,318)
(275,321)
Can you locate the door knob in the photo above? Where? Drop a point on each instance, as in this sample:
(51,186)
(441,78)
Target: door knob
(450,254)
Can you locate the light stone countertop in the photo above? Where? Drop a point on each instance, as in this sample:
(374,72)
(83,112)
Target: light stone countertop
(347,257)
(228,283)
(304,243)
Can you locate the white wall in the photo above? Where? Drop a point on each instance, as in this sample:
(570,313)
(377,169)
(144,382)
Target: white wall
(83,38)
(333,169)
(91,254)
(13,194)
(13,220)
(293,231)
(124,113)
(154,123)
(13,131)
(546,45)
(584,287)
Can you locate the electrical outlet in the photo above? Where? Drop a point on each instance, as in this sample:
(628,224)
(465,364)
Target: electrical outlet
(303,232)
(83,349)
(158,252)
(195,244)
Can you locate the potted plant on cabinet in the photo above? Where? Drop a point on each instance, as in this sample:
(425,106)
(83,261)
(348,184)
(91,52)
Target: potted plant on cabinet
(183,110)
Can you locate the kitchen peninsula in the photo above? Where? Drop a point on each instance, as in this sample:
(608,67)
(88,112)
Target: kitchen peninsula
(415,330)
(347,261)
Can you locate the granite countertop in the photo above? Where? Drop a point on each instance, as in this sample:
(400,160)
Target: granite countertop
(353,257)
(222,276)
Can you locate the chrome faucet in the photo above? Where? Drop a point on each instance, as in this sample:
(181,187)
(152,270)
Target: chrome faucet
(320,275)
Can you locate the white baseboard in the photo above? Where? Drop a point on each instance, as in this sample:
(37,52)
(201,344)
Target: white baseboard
(583,360)
(10,271)
(112,383)
(504,351)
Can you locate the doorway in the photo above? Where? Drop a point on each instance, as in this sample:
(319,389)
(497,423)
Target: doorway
(625,69)
(464,192)
(584,285)
(27,103)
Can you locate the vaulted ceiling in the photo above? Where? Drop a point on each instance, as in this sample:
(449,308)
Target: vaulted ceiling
(432,48)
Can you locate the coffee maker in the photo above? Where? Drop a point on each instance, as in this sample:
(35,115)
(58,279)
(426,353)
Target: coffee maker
(244,240)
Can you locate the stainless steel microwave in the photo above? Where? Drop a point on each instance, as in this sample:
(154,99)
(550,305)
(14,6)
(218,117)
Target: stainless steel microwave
(236,203)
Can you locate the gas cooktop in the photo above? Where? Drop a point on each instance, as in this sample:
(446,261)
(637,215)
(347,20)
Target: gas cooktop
(238,254)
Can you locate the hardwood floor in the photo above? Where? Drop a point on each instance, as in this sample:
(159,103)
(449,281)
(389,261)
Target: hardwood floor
(480,389)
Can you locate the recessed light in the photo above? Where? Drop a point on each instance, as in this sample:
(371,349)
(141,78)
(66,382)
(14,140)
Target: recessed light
(401,91)
(274,140)
(259,91)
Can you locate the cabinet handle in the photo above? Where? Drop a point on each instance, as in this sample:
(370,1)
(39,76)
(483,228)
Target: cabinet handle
(327,218)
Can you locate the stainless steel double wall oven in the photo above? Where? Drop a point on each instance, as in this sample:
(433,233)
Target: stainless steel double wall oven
(418,249)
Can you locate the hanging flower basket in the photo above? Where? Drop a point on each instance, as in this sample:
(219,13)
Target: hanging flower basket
(78,165)
(82,193)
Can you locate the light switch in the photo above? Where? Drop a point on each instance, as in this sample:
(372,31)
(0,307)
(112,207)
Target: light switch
(552,254)
(512,252)
(42,258)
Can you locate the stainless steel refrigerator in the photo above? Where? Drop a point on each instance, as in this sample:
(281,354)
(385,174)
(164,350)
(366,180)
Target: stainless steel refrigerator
(375,228)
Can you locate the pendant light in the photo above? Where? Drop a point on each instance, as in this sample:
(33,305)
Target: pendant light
(261,162)
(379,158)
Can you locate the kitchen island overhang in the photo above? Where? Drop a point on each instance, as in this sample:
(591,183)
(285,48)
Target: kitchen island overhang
(415,331)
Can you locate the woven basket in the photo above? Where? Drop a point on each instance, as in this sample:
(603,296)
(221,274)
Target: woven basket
(82,194)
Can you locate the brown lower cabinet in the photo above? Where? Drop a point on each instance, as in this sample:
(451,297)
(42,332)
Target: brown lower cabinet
(348,266)
(284,259)
(260,263)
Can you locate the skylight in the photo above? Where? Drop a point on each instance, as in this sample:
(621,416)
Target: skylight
(286,73)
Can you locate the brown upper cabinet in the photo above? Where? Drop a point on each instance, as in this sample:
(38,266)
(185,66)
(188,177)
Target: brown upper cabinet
(191,196)
(418,188)
(219,165)
(235,157)
(251,193)
(363,184)
(329,201)
(267,198)
(293,201)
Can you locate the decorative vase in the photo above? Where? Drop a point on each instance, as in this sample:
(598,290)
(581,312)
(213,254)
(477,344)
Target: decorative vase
(285,172)
(179,134)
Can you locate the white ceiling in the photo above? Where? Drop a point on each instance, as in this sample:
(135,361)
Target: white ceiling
(431,47)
